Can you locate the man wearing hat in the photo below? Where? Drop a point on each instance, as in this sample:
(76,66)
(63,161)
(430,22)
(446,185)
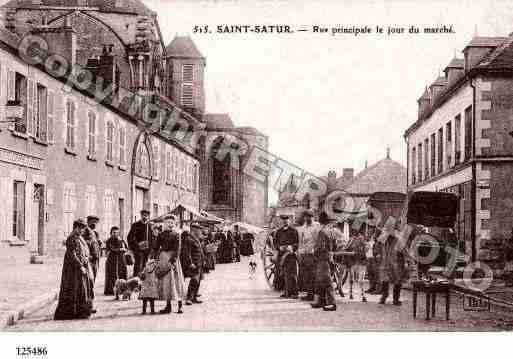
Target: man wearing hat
(195,260)
(95,245)
(308,233)
(287,241)
(140,240)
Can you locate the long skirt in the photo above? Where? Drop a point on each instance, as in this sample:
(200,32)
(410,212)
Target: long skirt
(172,285)
(115,268)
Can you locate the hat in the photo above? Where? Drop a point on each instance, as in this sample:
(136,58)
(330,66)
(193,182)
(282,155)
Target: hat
(196,225)
(285,216)
(93,218)
(145,211)
(80,222)
(308,213)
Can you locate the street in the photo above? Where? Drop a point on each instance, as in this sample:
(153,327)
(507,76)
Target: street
(234,302)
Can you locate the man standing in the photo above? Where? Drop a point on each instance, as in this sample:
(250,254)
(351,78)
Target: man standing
(287,241)
(95,245)
(307,236)
(237,241)
(140,241)
(195,262)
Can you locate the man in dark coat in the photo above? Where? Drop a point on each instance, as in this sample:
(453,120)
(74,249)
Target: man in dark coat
(140,241)
(287,241)
(195,262)
(95,245)
(237,242)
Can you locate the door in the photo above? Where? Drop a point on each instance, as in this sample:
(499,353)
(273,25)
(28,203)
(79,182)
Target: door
(36,230)
(122,217)
(139,203)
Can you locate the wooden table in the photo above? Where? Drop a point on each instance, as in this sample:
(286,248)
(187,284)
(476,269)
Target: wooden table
(431,289)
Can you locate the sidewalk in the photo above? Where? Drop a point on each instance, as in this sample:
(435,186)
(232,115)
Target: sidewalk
(25,287)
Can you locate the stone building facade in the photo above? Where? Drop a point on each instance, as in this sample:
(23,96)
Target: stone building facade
(64,155)
(462,143)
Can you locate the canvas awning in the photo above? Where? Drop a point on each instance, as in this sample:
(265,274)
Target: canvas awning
(432,209)
(186,213)
(248,227)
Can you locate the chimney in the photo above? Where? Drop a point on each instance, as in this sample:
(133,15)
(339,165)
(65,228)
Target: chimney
(478,48)
(454,71)
(61,40)
(348,174)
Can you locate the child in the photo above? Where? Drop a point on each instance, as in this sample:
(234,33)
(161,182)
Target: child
(149,287)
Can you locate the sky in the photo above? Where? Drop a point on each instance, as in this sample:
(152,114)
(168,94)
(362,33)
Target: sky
(328,102)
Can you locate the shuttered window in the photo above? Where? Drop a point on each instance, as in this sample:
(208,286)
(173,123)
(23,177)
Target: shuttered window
(187,86)
(122,146)
(70,125)
(91,136)
(51,116)
(41,123)
(110,141)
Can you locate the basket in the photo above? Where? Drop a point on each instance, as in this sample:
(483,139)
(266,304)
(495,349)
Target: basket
(211,248)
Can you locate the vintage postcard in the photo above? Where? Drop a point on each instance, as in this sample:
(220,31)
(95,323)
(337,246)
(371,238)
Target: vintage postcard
(261,166)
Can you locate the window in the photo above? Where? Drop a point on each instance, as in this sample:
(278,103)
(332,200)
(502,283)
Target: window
(195,179)
(156,157)
(90,200)
(18,213)
(414,165)
(441,150)
(17,94)
(433,155)
(91,143)
(419,164)
(168,166)
(155,210)
(69,206)
(51,116)
(110,141)
(426,159)
(187,86)
(70,125)
(448,149)
(468,133)
(122,146)
(175,167)
(457,139)
(41,114)
(108,217)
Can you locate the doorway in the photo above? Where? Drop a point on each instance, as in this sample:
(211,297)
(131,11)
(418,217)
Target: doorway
(141,202)
(36,230)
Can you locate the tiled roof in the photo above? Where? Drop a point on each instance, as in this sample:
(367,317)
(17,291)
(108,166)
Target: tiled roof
(386,175)
(132,6)
(480,41)
(183,46)
(501,57)
(217,121)
(440,81)
(456,64)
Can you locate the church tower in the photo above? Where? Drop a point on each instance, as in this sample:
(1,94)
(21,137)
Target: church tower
(185,71)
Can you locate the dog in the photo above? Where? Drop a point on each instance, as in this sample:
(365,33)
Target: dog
(252,269)
(125,288)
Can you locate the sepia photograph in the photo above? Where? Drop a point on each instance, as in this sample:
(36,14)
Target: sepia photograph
(255,166)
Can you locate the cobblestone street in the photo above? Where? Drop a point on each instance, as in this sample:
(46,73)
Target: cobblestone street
(233,302)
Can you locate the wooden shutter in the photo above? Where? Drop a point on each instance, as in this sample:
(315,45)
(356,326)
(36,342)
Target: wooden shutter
(50,116)
(11,85)
(30,101)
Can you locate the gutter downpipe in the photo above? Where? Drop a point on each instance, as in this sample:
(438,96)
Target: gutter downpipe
(474,174)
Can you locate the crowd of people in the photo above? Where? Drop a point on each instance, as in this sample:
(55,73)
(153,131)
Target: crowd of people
(308,255)
(162,256)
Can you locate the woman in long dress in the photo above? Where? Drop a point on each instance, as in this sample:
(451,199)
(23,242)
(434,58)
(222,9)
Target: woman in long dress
(115,265)
(171,284)
(76,292)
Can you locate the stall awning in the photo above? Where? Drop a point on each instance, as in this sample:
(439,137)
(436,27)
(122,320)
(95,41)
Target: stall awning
(190,214)
(248,227)
(433,209)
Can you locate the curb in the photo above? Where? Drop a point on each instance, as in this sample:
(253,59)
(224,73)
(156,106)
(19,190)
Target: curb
(12,317)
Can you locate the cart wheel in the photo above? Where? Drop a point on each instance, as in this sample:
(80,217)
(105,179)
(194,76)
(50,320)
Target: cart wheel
(269,266)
